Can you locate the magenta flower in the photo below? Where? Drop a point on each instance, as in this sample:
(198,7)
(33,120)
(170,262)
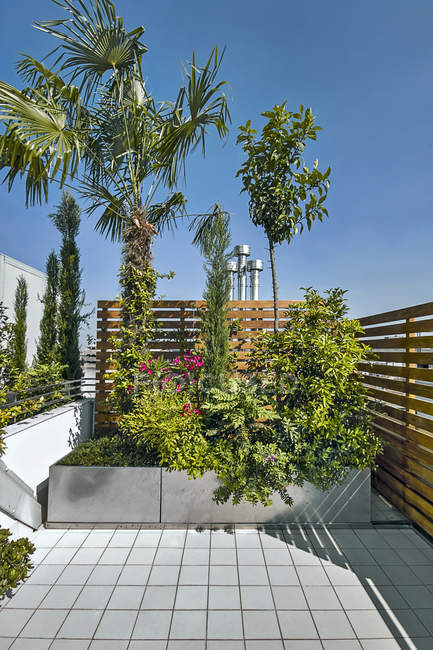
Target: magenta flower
(197,411)
(149,372)
(178,388)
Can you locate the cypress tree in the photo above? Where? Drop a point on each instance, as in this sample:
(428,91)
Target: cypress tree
(46,348)
(71,296)
(213,238)
(19,341)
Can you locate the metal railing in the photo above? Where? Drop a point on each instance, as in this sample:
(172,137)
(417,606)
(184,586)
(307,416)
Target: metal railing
(38,398)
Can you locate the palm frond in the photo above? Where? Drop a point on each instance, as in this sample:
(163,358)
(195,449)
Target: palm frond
(210,227)
(93,41)
(200,104)
(164,215)
(110,223)
(37,131)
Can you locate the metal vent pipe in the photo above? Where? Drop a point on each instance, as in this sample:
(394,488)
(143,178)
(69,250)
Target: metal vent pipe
(231,268)
(242,252)
(254,267)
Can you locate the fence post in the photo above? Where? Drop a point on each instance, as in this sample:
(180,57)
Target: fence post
(409,380)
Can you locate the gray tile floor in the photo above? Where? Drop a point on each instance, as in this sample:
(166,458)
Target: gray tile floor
(277,588)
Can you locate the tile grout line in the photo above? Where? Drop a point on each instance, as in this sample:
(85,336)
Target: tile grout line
(303,591)
(270,585)
(208,589)
(55,583)
(161,530)
(338,546)
(115,584)
(37,608)
(82,586)
(176,590)
(239,586)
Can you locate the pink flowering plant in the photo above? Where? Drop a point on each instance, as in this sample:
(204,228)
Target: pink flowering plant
(180,375)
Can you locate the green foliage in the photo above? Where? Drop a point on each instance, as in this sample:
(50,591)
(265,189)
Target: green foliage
(130,344)
(131,145)
(72,297)
(285,195)
(15,561)
(27,385)
(169,423)
(213,237)
(47,344)
(311,368)
(19,342)
(111,451)
(237,410)
(7,366)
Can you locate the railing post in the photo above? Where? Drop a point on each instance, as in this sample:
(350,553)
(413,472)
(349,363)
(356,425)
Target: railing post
(11,398)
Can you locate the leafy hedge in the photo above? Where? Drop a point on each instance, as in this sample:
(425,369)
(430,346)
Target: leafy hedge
(15,561)
(111,451)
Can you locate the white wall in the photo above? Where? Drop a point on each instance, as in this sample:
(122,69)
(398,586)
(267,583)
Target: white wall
(33,445)
(10,270)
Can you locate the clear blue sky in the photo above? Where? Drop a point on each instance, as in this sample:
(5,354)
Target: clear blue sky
(365,68)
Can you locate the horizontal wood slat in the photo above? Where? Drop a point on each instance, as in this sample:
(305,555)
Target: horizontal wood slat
(417,311)
(181,320)
(399,385)
(425,325)
(401,342)
(401,380)
(424,358)
(404,503)
(422,374)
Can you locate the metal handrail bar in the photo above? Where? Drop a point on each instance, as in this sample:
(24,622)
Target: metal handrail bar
(58,383)
(77,390)
(33,398)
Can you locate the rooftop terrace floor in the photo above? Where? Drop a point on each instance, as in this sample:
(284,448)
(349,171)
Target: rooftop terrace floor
(277,588)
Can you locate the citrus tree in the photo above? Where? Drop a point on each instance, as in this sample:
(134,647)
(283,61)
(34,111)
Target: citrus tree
(285,195)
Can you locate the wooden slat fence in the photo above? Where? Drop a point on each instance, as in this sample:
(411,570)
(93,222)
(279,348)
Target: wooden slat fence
(178,325)
(401,379)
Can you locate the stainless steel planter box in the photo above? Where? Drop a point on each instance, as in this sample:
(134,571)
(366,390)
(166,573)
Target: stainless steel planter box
(85,495)
(133,495)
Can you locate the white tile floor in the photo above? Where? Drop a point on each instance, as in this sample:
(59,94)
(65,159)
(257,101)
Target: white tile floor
(277,588)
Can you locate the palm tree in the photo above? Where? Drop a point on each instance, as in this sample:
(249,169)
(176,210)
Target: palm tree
(87,119)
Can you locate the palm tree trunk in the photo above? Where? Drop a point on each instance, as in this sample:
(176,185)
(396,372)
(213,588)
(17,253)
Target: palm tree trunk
(274,282)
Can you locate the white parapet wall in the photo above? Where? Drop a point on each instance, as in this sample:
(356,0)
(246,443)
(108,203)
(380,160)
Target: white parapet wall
(32,446)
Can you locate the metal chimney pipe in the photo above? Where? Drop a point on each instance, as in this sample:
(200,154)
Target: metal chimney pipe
(254,267)
(242,252)
(231,268)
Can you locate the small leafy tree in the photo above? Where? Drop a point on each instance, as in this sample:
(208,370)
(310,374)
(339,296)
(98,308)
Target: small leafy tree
(72,297)
(213,238)
(46,348)
(284,194)
(311,366)
(19,341)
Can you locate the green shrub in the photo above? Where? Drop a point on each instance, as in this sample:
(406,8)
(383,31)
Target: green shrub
(111,451)
(15,561)
(299,416)
(235,411)
(27,385)
(311,367)
(170,422)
